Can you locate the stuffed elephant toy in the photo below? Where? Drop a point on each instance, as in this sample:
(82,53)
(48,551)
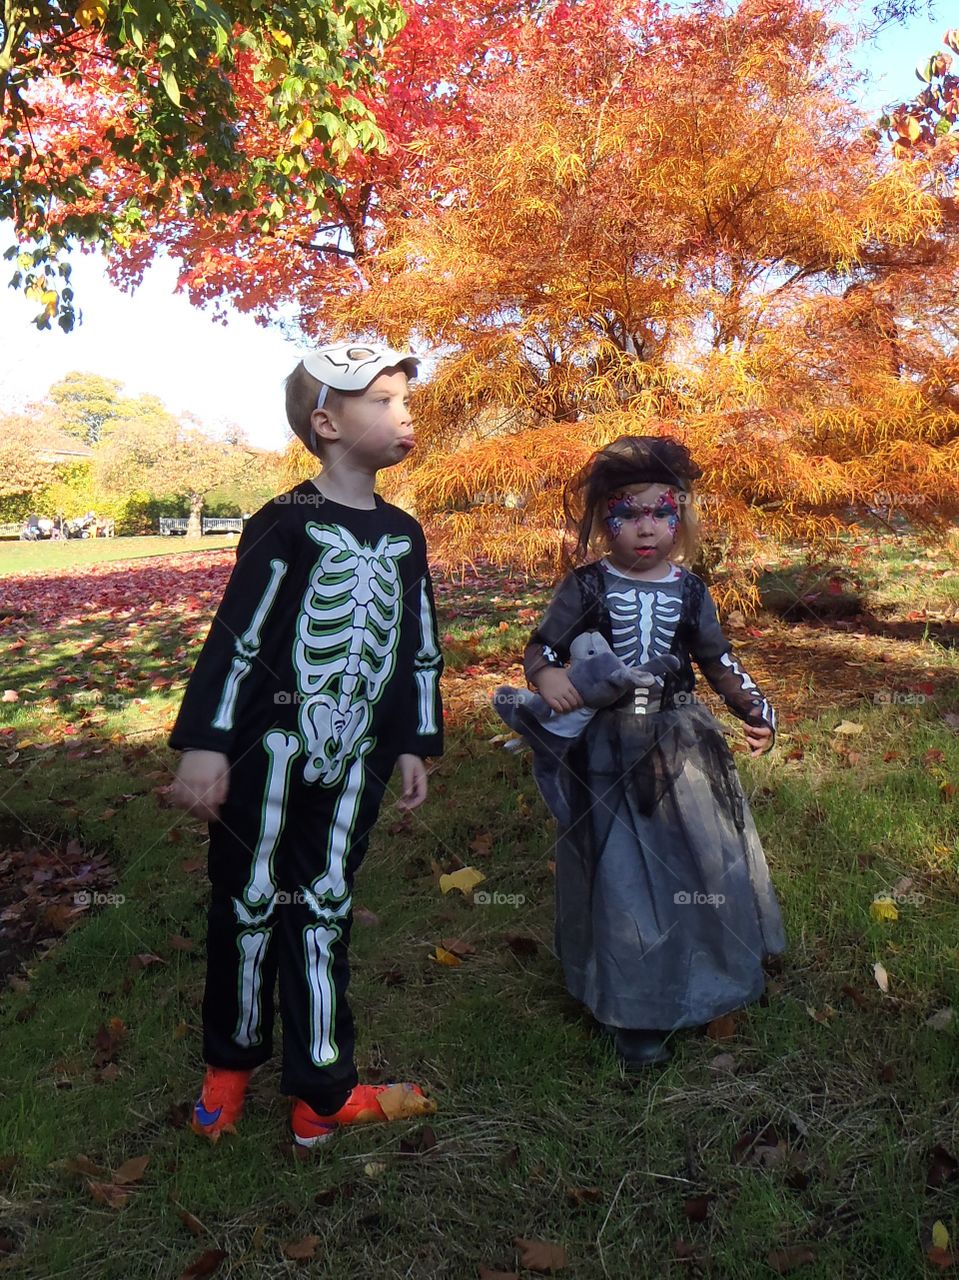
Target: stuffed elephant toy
(601,678)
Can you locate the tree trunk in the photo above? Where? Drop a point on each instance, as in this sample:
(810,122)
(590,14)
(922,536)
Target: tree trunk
(194,528)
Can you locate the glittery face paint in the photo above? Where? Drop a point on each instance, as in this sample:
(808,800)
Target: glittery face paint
(625,506)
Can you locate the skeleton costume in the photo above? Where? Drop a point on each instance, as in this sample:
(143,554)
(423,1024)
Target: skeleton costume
(320,668)
(664,905)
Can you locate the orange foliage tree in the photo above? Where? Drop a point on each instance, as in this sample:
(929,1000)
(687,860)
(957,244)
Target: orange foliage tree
(610,217)
(663,222)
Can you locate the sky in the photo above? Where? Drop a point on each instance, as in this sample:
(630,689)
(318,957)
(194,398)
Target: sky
(154,341)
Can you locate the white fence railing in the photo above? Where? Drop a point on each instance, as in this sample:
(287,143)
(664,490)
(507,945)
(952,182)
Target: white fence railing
(170,525)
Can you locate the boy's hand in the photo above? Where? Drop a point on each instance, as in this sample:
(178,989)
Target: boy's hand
(557,690)
(758,737)
(201,783)
(413,777)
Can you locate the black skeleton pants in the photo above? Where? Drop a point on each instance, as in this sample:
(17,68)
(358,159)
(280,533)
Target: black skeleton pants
(282,859)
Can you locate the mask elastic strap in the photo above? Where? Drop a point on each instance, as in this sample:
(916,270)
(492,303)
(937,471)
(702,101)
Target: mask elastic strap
(321,398)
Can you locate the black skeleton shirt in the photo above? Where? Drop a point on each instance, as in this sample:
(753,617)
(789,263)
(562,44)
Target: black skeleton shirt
(327,629)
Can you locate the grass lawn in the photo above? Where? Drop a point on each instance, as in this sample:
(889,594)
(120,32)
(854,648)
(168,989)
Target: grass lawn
(52,557)
(799,1139)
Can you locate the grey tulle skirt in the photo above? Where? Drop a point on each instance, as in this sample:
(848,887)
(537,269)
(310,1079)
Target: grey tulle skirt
(665,909)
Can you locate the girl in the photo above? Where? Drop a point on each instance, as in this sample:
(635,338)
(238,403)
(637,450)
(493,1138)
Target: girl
(664,905)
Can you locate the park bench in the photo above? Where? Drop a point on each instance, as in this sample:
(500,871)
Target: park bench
(170,525)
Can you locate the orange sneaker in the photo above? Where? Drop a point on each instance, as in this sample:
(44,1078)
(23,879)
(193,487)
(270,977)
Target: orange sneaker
(220,1103)
(361,1107)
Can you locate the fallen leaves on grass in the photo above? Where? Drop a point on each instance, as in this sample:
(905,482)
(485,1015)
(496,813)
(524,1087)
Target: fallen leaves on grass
(109,1036)
(45,890)
(541,1255)
(521,944)
(581,1196)
(111,1189)
(466,880)
(696,1208)
(401,1102)
(943,1168)
(204,1264)
(938,1251)
(420,1142)
(783,1261)
(883,908)
(722,1028)
(301,1250)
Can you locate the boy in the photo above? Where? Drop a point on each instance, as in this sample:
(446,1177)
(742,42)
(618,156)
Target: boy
(319,674)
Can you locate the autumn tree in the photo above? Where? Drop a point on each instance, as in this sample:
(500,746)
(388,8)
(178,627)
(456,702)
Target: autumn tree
(613,217)
(85,403)
(660,221)
(295,251)
(111,113)
(166,457)
(23,467)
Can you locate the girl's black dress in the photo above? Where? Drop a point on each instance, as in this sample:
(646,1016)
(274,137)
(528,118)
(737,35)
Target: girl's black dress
(664,905)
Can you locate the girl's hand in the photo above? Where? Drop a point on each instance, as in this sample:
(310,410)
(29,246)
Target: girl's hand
(413,775)
(201,783)
(557,690)
(759,738)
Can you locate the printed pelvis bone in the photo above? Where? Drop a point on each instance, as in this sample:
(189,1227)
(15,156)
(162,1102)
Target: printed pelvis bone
(345,649)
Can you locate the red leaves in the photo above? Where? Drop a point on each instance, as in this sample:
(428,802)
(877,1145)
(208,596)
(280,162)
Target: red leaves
(187,584)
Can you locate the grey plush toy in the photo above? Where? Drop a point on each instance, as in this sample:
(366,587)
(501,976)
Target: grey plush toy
(601,678)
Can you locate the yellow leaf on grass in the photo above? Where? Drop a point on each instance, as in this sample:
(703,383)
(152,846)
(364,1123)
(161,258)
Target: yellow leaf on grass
(400,1102)
(848,726)
(940,1235)
(466,880)
(442,956)
(883,909)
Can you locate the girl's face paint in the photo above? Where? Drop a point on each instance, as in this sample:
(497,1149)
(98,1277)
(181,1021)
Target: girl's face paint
(626,506)
(642,526)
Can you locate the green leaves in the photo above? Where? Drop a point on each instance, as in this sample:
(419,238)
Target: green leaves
(172,86)
(169,81)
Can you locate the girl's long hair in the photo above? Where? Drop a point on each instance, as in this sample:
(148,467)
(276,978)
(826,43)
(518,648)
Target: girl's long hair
(630,460)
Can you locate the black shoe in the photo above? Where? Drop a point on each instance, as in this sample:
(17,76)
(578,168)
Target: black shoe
(638,1048)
